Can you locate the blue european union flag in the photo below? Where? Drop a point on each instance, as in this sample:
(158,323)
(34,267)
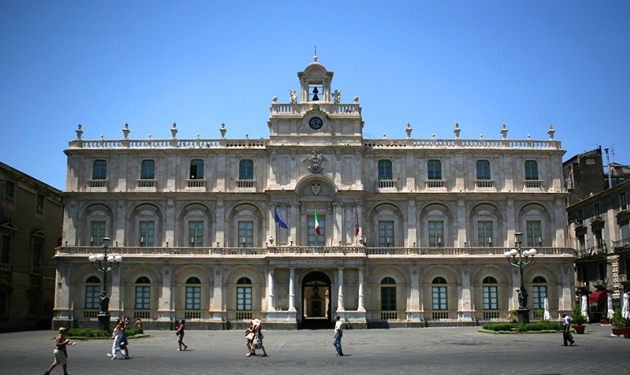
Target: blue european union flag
(278,218)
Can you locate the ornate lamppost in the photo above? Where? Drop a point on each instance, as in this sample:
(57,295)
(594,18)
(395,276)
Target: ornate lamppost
(105,263)
(520,259)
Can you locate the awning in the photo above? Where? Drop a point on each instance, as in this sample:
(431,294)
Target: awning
(598,296)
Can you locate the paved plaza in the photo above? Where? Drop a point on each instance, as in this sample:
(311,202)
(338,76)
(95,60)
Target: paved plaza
(461,350)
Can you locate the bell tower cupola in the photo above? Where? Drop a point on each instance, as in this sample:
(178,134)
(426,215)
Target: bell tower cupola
(315,82)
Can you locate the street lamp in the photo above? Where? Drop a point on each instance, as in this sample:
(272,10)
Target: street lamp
(104,263)
(520,259)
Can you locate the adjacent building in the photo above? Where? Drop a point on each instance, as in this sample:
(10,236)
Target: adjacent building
(313,221)
(30,230)
(599,227)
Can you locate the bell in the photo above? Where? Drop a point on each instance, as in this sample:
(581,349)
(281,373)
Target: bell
(315,92)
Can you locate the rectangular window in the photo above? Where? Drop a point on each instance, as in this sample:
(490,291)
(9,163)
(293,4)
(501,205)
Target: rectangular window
(246,233)
(99,171)
(314,239)
(97,233)
(439,301)
(147,233)
(5,250)
(484,233)
(436,233)
(386,233)
(38,251)
(534,232)
(490,299)
(193,298)
(244,298)
(9,190)
(623,201)
(246,169)
(388,298)
(195,233)
(39,207)
(143,297)
(92,300)
(147,170)
(434,170)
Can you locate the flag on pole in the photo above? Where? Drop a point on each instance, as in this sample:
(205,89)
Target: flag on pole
(356,223)
(278,218)
(317,229)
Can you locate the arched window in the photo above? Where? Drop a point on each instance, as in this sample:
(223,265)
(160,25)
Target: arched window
(439,296)
(531,170)
(539,292)
(490,293)
(92,292)
(196,169)
(147,169)
(143,293)
(385,169)
(193,294)
(483,170)
(246,169)
(388,294)
(434,169)
(244,294)
(99,170)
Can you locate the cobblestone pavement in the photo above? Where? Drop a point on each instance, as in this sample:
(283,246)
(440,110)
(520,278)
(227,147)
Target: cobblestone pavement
(462,350)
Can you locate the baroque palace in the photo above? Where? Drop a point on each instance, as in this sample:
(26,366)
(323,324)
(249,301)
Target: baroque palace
(312,222)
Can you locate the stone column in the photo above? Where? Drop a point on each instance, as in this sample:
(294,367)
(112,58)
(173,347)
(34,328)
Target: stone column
(361,307)
(270,290)
(217,301)
(466,295)
(340,303)
(165,301)
(292,289)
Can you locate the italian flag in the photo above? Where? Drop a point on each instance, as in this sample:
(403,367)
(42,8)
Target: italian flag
(317,229)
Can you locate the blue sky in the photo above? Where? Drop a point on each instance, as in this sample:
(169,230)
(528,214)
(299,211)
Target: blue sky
(526,64)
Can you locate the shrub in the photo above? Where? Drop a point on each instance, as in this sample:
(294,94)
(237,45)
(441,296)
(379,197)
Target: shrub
(524,328)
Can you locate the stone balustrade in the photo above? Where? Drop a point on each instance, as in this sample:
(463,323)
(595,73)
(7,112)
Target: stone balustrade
(301,251)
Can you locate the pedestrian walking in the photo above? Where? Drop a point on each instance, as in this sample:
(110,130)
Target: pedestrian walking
(117,336)
(257,342)
(566,332)
(338,335)
(60,356)
(181,328)
(249,340)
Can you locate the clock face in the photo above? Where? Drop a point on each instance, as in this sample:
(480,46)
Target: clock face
(315,123)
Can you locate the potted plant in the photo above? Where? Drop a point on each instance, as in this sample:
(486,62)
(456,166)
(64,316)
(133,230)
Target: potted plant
(604,319)
(625,322)
(577,319)
(617,323)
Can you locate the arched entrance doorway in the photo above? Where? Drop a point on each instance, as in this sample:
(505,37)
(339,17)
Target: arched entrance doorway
(316,301)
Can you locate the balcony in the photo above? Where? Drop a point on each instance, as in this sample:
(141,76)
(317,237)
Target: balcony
(386,184)
(246,185)
(196,184)
(533,184)
(97,185)
(436,185)
(484,185)
(144,253)
(146,184)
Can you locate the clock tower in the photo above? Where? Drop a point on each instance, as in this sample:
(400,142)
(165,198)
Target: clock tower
(315,117)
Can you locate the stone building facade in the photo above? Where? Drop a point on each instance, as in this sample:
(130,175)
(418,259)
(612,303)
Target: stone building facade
(30,230)
(599,229)
(313,221)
